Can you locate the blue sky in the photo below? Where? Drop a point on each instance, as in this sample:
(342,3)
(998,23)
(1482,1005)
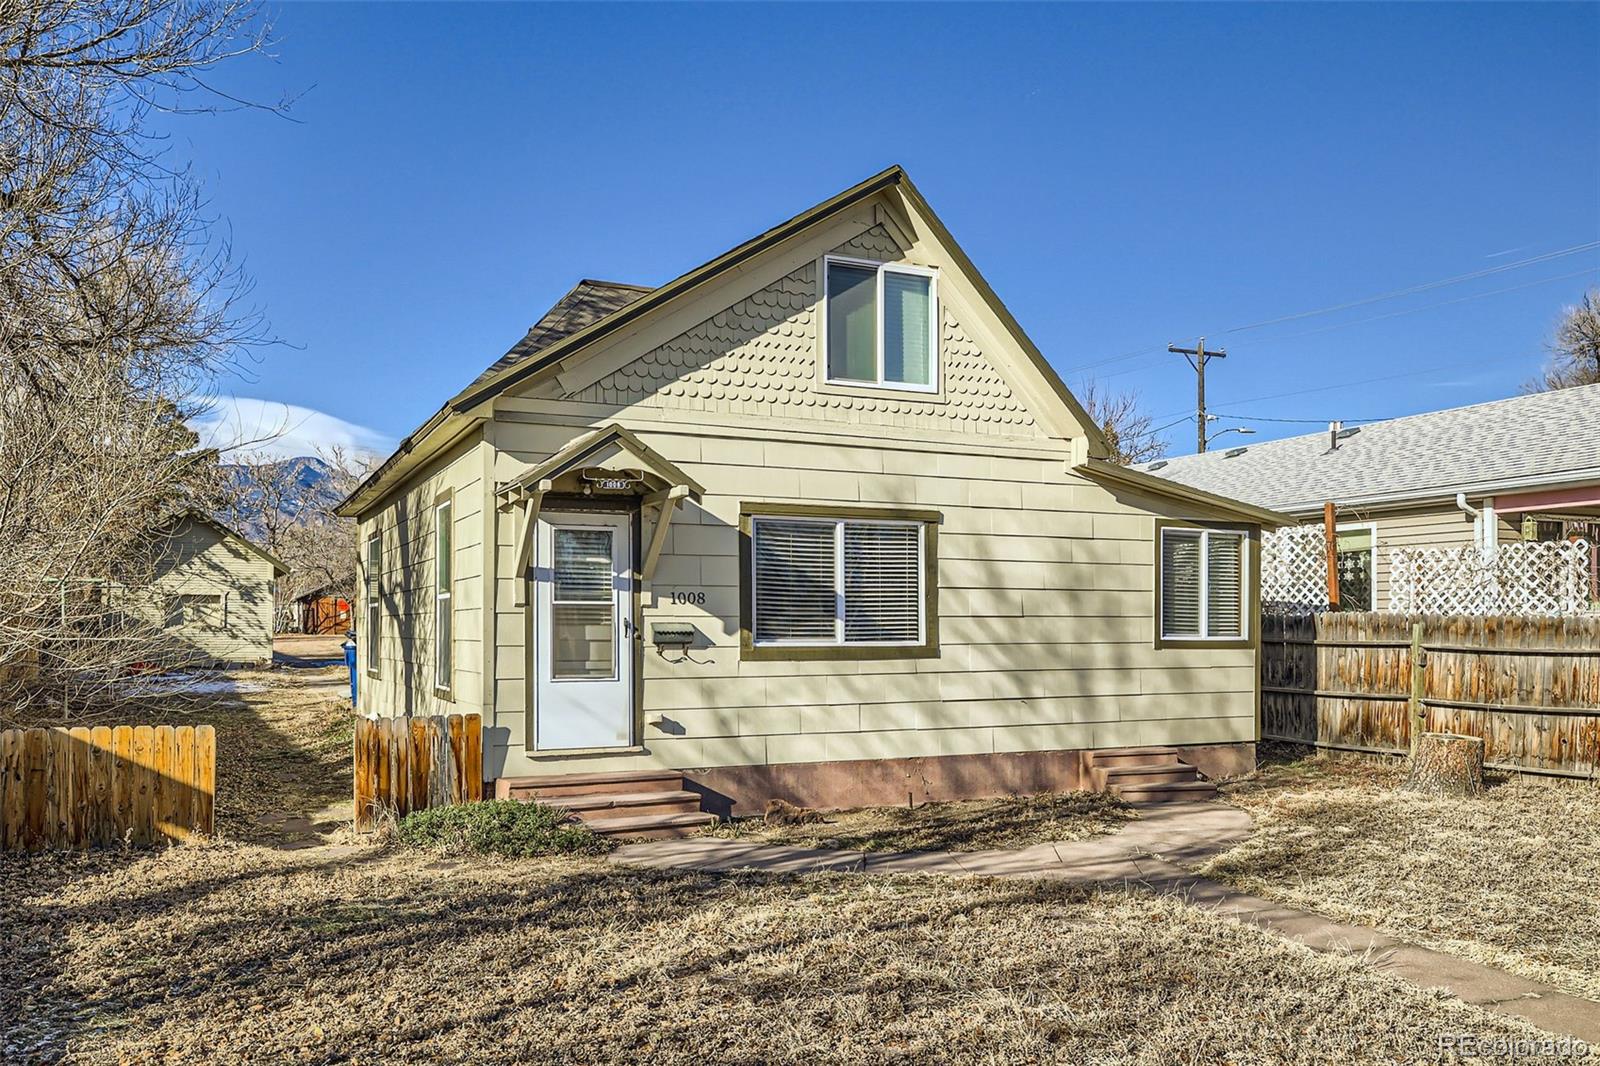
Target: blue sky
(1125,176)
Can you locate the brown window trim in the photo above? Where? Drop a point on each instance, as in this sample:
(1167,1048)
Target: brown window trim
(445,693)
(1252,606)
(749,651)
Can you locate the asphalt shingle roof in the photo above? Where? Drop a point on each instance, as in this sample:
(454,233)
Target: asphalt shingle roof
(587,303)
(1542,438)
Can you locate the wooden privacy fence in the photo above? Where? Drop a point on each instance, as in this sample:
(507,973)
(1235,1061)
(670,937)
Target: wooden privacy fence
(1530,687)
(410,764)
(83,787)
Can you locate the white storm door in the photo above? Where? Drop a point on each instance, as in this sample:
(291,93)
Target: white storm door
(583,631)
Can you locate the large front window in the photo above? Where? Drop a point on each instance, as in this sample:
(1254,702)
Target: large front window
(1202,584)
(881,325)
(837,582)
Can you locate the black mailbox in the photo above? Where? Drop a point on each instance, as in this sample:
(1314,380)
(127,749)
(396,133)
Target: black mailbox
(672,634)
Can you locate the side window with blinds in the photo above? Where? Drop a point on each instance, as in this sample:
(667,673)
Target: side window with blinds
(372,592)
(1202,584)
(838,582)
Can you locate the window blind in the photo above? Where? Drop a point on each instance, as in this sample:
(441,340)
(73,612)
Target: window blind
(1180,583)
(1224,584)
(907,333)
(795,568)
(837,581)
(882,583)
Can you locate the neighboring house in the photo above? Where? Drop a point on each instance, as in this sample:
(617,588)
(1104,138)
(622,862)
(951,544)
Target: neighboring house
(1526,468)
(213,590)
(814,521)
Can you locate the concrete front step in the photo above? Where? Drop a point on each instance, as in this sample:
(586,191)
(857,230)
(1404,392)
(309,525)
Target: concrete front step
(1180,792)
(588,784)
(608,806)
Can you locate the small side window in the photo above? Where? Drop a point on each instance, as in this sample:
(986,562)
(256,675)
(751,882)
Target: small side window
(373,593)
(1202,584)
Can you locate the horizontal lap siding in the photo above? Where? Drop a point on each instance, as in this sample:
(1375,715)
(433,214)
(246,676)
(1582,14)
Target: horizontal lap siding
(405,684)
(1045,595)
(1437,526)
(201,561)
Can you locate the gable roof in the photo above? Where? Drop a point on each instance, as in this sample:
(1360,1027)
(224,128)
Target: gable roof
(1545,438)
(509,371)
(227,532)
(587,303)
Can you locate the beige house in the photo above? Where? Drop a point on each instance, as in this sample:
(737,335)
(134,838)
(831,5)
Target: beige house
(1523,468)
(213,590)
(816,521)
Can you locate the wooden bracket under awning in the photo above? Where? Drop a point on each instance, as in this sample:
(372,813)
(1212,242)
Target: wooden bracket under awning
(658,484)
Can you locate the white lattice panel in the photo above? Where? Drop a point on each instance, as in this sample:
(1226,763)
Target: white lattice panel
(1294,569)
(1528,578)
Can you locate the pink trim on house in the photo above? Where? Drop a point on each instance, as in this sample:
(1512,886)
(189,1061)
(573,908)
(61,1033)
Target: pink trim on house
(1548,499)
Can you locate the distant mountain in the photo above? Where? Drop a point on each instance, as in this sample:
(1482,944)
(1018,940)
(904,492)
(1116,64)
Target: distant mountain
(288,486)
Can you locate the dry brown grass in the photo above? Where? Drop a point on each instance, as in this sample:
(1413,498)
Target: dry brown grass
(283,750)
(1508,879)
(237,953)
(974,825)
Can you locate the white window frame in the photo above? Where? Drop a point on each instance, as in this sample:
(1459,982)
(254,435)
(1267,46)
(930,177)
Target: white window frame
(372,596)
(935,378)
(444,657)
(838,640)
(1205,585)
(1372,563)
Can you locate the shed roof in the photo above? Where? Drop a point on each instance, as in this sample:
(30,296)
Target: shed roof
(1542,439)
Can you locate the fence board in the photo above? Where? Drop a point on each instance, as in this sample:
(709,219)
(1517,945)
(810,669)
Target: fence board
(412,763)
(82,787)
(1530,686)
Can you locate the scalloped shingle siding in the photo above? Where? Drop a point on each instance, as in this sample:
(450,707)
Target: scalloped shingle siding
(760,357)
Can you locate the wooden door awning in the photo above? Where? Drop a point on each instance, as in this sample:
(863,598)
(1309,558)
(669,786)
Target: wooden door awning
(609,462)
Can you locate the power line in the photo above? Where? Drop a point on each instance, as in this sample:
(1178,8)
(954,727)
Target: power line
(1408,291)
(1361,381)
(1424,287)
(1306,421)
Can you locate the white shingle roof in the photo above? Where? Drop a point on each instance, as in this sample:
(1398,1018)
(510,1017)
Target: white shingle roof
(1544,438)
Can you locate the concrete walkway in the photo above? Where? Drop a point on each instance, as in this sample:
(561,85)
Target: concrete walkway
(1152,853)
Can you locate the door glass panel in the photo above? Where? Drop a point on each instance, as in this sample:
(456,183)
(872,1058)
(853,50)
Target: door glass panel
(583,606)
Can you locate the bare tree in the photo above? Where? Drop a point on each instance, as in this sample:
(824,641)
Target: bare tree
(295,521)
(1575,352)
(117,308)
(1126,426)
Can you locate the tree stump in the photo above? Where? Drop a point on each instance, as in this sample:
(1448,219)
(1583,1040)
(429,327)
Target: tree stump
(1446,764)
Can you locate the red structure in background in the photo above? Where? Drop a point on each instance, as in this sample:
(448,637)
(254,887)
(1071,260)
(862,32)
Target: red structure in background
(324,614)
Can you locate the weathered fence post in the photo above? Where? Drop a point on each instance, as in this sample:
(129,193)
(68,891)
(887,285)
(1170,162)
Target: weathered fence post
(1419,686)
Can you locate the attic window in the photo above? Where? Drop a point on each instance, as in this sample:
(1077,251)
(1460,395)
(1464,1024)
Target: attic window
(881,325)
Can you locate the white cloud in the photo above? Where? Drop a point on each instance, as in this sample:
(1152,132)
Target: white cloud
(283,430)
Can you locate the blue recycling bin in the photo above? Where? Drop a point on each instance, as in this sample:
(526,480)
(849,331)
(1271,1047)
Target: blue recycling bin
(350,664)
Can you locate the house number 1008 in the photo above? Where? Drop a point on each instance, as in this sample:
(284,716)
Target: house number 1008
(688,599)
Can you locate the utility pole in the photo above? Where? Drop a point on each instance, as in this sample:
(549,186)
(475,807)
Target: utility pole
(1197,357)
